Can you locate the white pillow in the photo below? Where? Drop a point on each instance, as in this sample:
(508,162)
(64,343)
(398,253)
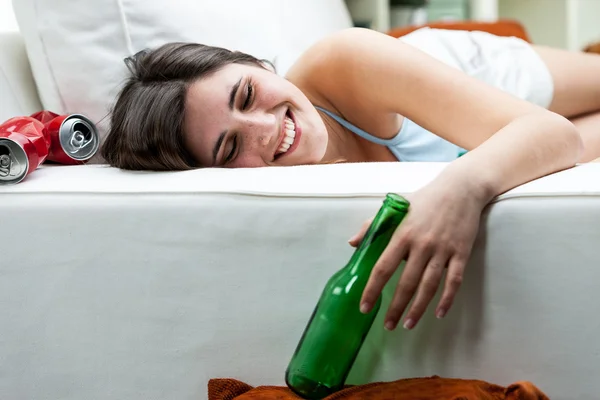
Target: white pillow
(17,90)
(76,48)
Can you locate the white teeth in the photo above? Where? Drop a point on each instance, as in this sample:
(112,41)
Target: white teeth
(290,134)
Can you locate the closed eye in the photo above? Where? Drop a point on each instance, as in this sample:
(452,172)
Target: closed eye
(249,92)
(231,153)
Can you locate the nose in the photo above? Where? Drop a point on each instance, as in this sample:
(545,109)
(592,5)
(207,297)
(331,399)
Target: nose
(261,131)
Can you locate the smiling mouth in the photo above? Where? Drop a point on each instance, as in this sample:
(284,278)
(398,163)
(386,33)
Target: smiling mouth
(289,136)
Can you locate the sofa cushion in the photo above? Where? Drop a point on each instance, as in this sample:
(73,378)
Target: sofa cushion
(77,48)
(141,285)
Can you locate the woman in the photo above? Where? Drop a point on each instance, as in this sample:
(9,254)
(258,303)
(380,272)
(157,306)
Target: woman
(500,111)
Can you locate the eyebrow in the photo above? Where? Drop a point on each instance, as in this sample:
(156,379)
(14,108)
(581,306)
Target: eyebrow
(232,97)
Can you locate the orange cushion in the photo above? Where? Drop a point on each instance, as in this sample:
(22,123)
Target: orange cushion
(500,28)
(432,388)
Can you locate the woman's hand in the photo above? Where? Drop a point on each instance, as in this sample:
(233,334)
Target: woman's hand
(437,233)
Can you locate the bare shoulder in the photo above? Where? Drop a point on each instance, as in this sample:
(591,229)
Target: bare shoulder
(323,61)
(329,72)
(360,69)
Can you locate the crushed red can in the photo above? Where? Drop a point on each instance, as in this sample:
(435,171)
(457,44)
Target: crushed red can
(28,141)
(74,138)
(24,145)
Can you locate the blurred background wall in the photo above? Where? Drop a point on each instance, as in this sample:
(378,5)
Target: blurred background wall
(569,24)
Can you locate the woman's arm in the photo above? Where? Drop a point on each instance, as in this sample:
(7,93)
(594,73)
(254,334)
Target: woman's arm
(525,141)
(511,141)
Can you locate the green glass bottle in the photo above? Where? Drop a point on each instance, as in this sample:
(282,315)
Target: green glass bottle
(337,329)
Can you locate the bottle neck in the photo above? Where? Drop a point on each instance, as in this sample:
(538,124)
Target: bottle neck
(378,236)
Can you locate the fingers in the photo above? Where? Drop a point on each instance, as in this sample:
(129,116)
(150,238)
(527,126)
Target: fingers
(430,282)
(382,271)
(420,279)
(454,278)
(406,288)
(356,239)
(427,288)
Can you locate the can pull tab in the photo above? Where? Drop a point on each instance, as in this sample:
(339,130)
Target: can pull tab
(9,165)
(4,164)
(80,139)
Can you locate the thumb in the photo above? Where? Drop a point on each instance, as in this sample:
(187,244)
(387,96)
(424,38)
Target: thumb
(358,237)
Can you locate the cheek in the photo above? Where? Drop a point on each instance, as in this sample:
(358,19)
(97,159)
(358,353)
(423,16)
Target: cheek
(249,156)
(271,97)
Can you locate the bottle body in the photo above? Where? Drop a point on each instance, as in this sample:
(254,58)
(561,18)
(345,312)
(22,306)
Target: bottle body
(337,329)
(330,343)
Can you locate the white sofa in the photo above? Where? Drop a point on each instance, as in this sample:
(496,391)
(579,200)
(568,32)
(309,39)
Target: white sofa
(123,285)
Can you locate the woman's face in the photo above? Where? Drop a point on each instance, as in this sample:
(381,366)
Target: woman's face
(245,116)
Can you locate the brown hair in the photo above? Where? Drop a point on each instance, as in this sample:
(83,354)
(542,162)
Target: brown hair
(146,124)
